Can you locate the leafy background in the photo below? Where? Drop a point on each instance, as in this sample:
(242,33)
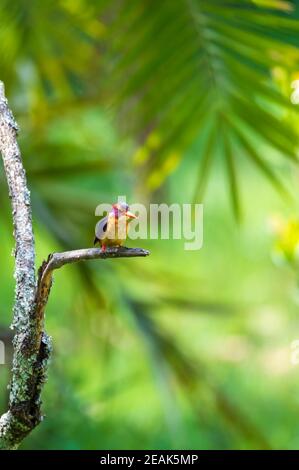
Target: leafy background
(171,101)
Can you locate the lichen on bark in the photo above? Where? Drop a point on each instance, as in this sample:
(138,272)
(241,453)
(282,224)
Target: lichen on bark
(31,345)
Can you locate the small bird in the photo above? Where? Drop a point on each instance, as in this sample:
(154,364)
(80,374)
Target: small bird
(112,230)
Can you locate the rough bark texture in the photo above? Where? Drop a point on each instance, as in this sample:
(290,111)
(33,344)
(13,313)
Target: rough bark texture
(30,353)
(32,346)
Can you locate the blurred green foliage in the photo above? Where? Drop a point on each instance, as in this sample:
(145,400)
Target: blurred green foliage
(143,98)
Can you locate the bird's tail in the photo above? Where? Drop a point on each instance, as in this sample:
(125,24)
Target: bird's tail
(96,240)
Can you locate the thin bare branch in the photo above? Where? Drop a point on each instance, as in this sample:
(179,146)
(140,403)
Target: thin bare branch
(57,260)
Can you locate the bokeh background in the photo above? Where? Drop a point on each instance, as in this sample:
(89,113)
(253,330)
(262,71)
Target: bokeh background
(162,101)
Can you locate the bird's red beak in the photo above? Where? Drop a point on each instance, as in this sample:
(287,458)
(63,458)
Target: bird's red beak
(130,215)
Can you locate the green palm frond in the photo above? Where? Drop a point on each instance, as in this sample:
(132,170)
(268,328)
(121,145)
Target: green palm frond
(164,70)
(49,45)
(180,64)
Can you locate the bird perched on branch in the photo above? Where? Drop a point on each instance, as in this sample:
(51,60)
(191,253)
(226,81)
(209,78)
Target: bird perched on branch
(112,230)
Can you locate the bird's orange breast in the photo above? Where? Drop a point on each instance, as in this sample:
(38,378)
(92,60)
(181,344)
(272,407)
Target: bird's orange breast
(116,233)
